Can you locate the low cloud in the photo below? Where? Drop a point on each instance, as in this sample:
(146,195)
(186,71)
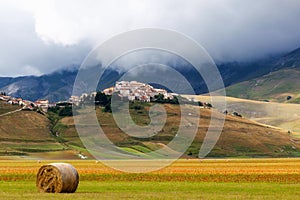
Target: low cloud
(51,34)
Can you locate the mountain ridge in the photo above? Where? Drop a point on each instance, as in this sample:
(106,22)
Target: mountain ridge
(281,84)
(58,85)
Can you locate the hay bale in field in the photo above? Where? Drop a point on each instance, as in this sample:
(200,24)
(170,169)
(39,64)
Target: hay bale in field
(57,178)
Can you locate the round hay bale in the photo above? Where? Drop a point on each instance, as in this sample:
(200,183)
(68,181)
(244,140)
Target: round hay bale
(57,178)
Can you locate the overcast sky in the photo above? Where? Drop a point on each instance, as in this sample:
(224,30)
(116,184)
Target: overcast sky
(38,37)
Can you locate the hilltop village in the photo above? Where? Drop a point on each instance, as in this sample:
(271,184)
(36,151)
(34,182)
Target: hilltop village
(126,90)
(26,104)
(129,90)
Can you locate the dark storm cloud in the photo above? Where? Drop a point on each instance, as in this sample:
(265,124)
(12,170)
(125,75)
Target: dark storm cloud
(41,36)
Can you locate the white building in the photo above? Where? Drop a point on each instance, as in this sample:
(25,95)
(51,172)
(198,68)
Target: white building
(109,91)
(134,90)
(42,104)
(74,100)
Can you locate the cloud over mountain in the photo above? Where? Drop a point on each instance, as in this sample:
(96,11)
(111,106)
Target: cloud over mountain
(38,37)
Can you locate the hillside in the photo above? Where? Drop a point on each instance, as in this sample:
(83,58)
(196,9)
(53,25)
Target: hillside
(282,115)
(26,133)
(290,60)
(240,137)
(282,81)
(276,86)
(5,108)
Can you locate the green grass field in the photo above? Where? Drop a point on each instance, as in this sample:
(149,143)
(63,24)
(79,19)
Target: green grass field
(184,179)
(155,190)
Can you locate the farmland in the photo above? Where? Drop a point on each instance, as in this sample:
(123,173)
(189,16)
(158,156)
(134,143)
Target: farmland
(184,179)
(281,115)
(240,137)
(33,135)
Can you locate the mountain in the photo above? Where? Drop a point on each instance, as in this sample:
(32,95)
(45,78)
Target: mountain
(54,87)
(59,85)
(244,76)
(281,84)
(290,60)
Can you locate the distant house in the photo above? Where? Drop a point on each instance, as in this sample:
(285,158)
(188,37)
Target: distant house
(75,100)
(51,105)
(42,104)
(13,101)
(109,91)
(124,92)
(131,97)
(93,94)
(26,102)
(5,98)
(20,102)
(28,107)
(145,98)
(83,96)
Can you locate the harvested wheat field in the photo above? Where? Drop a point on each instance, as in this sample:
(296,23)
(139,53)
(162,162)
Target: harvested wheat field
(184,179)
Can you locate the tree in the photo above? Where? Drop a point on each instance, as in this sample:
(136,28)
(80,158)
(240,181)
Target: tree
(107,108)
(208,105)
(66,111)
(160,98)
(236,114)
(200,103)
(174,100)
(101,99)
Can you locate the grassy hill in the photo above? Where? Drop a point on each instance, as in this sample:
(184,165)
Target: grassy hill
(5,108)
(240,137)
(275,86)
(282,115)
(28,133)
(275,81)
